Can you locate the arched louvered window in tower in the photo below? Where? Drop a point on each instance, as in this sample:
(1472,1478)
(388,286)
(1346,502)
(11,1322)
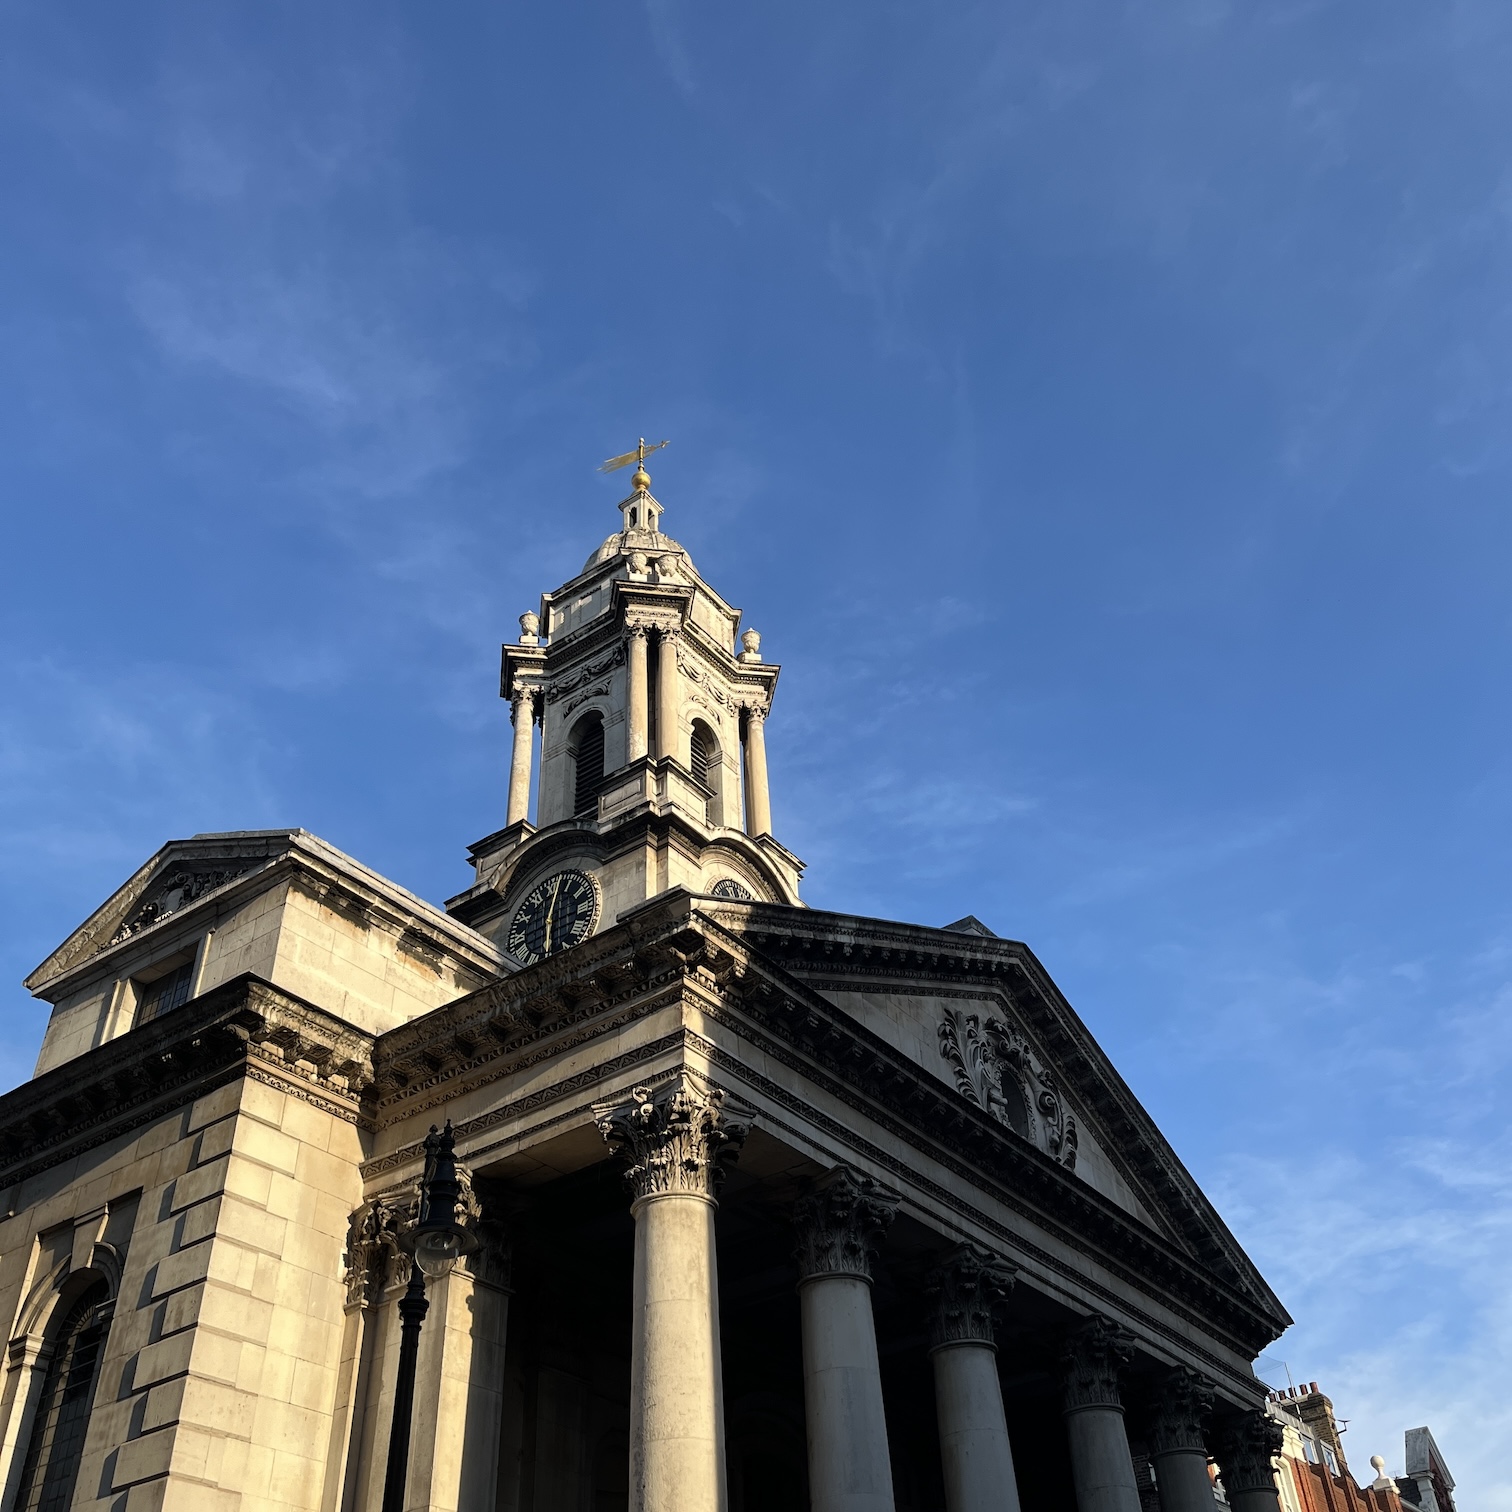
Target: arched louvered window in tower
(704,759)
(587,763)
(57,1436)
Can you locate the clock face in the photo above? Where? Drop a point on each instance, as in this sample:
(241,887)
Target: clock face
(728,887)
(555,914)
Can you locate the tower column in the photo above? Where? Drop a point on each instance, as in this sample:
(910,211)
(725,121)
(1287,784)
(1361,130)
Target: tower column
(974,1451)
(677,1138)
(1247,1447)
(522,708)
(1182,1400)
(638,710)
(758,807)
(1101,1467)
(840,1225)
(668,704)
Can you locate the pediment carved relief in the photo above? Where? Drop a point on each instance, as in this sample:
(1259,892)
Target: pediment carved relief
(996,1070)
(177,888)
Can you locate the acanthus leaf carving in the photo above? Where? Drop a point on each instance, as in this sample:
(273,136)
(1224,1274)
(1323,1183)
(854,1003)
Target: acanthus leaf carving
(841,1223)
(680,1136)
(564,687)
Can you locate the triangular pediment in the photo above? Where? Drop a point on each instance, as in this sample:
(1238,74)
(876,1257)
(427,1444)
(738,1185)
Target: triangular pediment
(982,1014)
(182,873)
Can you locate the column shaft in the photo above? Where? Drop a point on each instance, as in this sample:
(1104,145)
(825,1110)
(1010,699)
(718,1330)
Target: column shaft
(677,1461)
(523,714)
(849,1468)
(638,707)
(1183,1481)
(677,1139)
(668,705)
(758,807)
(974,1451)
(1100,1463)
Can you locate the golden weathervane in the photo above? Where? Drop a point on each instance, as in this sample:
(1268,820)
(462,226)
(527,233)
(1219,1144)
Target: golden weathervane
(638,456)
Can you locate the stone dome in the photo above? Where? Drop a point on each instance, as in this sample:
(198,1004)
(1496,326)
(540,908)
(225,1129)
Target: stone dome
(652,542)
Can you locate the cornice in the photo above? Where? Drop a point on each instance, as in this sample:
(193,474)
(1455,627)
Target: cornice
(244,1027)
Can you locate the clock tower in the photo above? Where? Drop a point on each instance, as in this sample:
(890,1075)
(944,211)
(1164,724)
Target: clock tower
(651,706)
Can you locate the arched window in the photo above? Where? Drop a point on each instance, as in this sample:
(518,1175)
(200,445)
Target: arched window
(587,747)
(57,1436)
(704,759)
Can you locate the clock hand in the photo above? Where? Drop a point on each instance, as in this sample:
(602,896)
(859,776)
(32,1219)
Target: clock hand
(550,910)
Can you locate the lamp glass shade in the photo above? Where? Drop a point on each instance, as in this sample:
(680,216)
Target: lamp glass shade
(437,1251)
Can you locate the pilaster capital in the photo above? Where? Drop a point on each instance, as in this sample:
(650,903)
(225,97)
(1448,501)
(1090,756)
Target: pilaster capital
(375,1259)
(841,1223)
(492,1262)
(1180,1402)
(680,1136)
(1247,1445)
(966,1289)
(1090,1360)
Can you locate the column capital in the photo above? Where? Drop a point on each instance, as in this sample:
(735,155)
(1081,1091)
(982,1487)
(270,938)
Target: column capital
(680,1136)
(966,1290)
(524,698)
(634,630)
(1247,1444)
(1180,1402)
(1090,1360)
(756,711)
(841,1223)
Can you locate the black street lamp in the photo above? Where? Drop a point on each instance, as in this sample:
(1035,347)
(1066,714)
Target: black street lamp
(435,1244)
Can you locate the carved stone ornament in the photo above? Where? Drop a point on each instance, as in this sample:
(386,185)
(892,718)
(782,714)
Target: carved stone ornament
(1247,1445)
(375,1259)
(691,667)
(1179,1404)
(1090,1361)
(564,687)
(965,1291)
(995,1069)
(377,1262)
(841,1223)
(750,646)
(177,888)
(524,702)
(680,1136)
(530,628)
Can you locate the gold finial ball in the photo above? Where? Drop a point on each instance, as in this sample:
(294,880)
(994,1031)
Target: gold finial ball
(640,479)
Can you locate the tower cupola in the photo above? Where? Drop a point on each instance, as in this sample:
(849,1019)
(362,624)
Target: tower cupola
(649,770)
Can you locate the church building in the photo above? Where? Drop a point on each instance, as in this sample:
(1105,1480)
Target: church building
(757,1208)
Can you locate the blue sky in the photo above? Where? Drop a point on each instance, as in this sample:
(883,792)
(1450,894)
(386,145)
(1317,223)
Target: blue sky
(1102,411)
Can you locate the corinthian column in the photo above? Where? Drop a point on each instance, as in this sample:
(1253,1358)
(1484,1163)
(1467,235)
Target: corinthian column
(840,1224)
(635,642)
(1248,1444)
(758,805)
(668,704)
(974,1452)
(677,1138)
(1182,1400)
(1100,1463)
(522,711)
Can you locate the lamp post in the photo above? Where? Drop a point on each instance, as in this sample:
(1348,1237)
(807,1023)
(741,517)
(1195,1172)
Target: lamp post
(435,1244)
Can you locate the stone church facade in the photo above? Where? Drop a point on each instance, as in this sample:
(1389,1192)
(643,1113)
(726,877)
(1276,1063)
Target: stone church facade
(773,1207)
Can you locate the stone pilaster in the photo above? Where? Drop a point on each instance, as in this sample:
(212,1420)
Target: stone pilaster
(1179,1404)
(1091,1360)
(1247,1445)
(677,1140)
(840,1226)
